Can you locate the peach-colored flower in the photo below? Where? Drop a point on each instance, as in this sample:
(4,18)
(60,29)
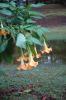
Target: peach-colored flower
(3,32)
(18,59)
(38,55)
(46,49)
(28,66)
(25,66)
(31,61)
(22,66)
(25,58)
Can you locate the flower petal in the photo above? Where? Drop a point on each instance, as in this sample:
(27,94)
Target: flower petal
(3,32)
(38,55)
(33,63)
(46,50)
(22,67)
(29,67)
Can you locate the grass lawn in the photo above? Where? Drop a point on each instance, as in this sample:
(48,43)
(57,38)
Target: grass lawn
(47,79)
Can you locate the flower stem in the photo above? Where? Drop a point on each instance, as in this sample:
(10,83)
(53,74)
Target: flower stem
(22,62)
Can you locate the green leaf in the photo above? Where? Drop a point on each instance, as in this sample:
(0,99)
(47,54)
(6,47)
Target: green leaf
(21,41)
(6,12)
(19,17)
(31,28)
(37,5)
(40,30)
(28,39)
(12,31)
(13,4)
(35,13)
(33,50)
(24,26)
(32,40)
(35,41)
(3,46)
(30,21)
(37,29)
(4,5)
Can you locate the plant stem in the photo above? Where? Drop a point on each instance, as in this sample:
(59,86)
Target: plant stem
(22,62)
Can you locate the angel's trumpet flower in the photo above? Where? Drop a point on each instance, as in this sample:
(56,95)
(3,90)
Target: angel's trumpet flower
(38,55)
(22,66)
(31,61)
(46,49)
(24,57)
(3,31)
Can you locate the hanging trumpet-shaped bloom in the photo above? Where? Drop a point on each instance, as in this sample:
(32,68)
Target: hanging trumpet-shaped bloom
(46,49)
(31,61)
(25,58)
(38,55)
(22,66)
(3,31)
(29,67)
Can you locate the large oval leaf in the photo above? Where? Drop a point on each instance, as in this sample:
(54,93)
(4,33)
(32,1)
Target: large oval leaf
(21,41)
(3,46)
(32,40)
(6,12)
(35,41)
(37,5)
(35,13)
(4,5)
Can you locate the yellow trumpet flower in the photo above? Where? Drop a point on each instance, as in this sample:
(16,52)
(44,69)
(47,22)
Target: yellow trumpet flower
(31,61)
(22,66)
(46,49)
(38,55)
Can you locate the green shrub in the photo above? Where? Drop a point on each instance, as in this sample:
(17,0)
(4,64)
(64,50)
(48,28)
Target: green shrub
(19,28)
